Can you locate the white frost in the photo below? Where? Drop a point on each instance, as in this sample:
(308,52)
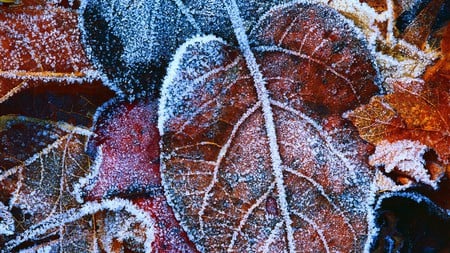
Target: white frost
(405,156)
(6,221)
(168,92)
(114,205)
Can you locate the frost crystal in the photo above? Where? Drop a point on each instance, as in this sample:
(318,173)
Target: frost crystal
(404,156)
(6,221)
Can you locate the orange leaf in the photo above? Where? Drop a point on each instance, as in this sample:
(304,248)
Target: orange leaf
(440,72)
(415,111)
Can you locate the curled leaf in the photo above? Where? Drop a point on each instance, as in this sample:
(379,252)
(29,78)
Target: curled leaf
(405,158)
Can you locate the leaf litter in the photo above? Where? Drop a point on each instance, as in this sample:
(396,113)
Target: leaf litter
(250,117)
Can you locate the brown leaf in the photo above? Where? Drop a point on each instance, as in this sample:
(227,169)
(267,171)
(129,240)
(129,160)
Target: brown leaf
(109,226)
(255,166)
(40,172)
(41,189)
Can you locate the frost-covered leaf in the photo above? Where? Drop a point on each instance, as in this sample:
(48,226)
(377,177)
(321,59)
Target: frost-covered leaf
(419,29)
(7,226)
(169,236)
(127,165)
(255,155)
(406,159)
(417,110)
(42,157)
(41,190)
(41,169)
(40,43)
(127,140)
(132,41)
(109,226)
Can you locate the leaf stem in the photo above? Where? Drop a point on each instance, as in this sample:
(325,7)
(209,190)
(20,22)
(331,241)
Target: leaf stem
(263,96)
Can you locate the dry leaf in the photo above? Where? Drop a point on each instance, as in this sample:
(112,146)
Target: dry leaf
(415,111)
(42,192)
(246,163)
(41,171)
(406,159)
(256,153)
(417,32)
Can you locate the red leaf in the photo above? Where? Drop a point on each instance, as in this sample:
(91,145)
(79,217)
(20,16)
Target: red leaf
(128,140)
(169,236)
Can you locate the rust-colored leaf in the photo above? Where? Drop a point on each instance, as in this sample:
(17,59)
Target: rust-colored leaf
(266,163)
(39,43)
(440,72)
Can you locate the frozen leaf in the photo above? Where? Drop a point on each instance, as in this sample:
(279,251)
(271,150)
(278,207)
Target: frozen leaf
(109,226)
(40,44)
(128,146)
(40,172)
(417,32)
(42,156)
(405,158)
(417,111)
(169,236)
(255,155)
(132,41)
(37,39)
(41,189)
(42,169)
(6,221)
(127,165)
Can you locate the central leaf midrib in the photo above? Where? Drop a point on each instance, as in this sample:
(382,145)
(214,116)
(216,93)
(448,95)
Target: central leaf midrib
(260,85)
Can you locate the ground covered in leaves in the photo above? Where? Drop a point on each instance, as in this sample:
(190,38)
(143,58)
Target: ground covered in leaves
(211,126)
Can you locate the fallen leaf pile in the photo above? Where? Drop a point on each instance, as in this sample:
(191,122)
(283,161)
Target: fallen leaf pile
(239,126)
